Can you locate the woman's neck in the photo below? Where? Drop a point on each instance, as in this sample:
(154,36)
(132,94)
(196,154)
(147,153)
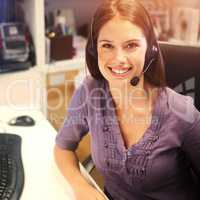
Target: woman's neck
(138,99)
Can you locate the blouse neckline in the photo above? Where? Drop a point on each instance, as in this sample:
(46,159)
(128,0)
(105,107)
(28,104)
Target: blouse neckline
(150,132)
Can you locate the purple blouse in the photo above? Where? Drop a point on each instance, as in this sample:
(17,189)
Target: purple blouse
(156,167)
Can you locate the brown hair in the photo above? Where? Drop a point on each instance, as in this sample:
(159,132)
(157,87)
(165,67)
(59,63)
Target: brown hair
(133,11)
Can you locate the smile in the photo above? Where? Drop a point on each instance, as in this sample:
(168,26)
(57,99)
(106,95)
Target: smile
(120,71)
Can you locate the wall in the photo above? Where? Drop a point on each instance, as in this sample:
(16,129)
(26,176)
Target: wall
(83,9)
(22,90)
(34,12)
(189,3)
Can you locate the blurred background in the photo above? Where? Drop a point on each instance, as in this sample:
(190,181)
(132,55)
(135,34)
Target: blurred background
(42,52)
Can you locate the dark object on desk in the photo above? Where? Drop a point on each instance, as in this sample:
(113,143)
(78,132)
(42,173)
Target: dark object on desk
(83,30)
(16,50)
(182,63)
(15,46)
(23,120)
(12,67)
(61,48)
(11,167)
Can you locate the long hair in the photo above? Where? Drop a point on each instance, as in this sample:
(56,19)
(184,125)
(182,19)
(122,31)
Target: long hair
(134,12)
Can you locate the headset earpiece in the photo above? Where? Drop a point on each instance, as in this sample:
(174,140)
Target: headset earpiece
(91,46)
(151,54)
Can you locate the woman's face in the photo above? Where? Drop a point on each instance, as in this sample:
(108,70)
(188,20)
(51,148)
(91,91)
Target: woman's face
(121,48)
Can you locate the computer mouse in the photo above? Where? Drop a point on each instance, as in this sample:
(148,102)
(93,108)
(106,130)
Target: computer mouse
(23,120)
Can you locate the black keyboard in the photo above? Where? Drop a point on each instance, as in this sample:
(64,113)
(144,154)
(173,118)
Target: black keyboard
(11,167)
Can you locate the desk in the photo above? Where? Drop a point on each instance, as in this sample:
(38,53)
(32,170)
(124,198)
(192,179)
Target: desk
(65,65)
(43,180)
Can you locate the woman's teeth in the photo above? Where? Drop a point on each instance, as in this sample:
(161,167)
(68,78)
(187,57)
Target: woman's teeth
(120,71)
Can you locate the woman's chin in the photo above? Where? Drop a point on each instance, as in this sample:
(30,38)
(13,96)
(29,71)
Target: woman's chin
(118,82)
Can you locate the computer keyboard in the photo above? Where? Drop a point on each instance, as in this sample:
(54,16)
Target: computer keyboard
(11,167)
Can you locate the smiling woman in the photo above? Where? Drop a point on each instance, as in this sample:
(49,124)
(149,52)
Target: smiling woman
(121,54)
(145,138)
(126,20)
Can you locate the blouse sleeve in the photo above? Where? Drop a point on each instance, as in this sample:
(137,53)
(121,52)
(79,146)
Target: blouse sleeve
(75,125)
(191,143)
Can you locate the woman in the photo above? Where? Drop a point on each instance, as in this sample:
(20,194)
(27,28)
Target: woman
(145,137)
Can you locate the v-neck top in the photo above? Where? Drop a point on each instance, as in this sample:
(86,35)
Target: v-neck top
(152,126)
(159,165)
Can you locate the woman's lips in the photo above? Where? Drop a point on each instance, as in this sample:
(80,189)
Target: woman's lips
(120,71)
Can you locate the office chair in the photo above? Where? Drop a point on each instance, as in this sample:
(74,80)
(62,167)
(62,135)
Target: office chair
(182,65)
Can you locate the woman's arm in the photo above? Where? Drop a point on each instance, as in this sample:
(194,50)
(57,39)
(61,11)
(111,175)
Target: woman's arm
(68,164)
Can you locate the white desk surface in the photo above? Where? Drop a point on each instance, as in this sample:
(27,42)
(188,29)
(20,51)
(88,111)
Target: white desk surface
(43,181)
(66,65)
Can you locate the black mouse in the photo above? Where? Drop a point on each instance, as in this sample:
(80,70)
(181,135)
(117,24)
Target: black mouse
(23,120)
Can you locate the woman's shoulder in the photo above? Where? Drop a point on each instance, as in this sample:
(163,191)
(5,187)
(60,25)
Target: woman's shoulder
(177,98)
(180,105)
(83,92)
(88,87)
(90,83)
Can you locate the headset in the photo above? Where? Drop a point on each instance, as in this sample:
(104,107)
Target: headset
(151,55)
(91,47)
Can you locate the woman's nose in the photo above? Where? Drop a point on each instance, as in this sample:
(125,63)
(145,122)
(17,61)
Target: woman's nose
(120,56)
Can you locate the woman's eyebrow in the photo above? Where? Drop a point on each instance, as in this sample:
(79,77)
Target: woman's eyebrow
(105,41)
(134,40)
(128,41)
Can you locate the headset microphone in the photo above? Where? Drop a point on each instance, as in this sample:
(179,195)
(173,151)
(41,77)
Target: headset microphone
(135,80)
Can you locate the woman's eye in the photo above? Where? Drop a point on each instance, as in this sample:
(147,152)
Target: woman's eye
(107,46)
(132,46)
